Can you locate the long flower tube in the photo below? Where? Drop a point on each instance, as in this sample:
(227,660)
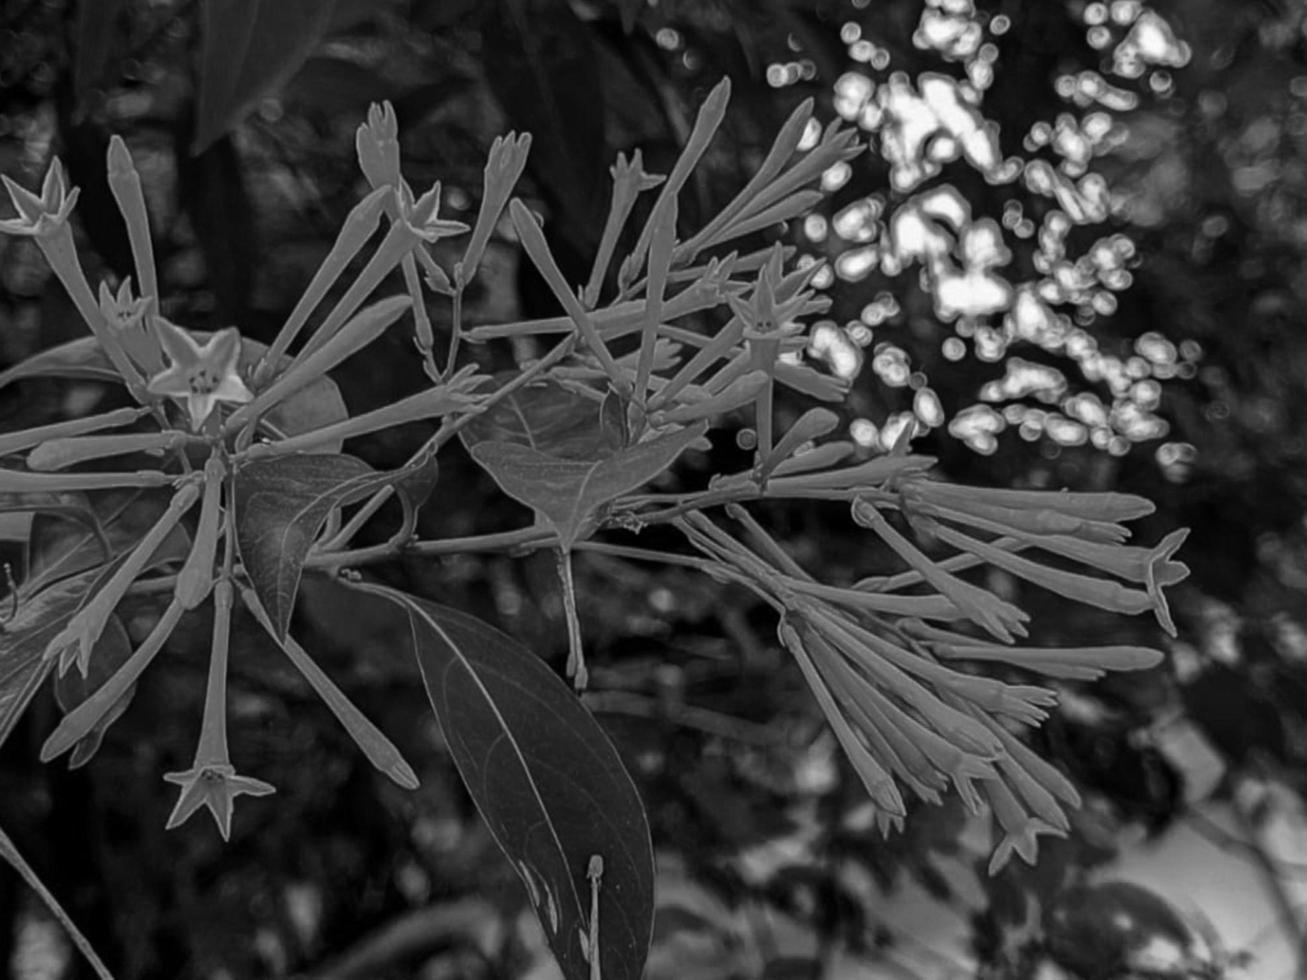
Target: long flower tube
(77,639)
(212,781)
(16,442)
(82,719)
(878,782)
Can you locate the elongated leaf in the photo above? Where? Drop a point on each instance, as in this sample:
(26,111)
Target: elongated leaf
(59,549)
(250,48)
(547,781)
(23,642)
(111,651)
(565,492)
(546,417)
(546,68)
(72,506)
(281,505)
(68,565)
(97,32)
(213,191)
(82,358)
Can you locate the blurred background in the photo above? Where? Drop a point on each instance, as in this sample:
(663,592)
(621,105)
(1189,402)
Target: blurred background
(1073,255)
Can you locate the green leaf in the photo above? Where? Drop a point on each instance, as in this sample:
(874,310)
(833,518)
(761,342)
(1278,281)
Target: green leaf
(83,359)
(546,417)
(70,505)
(281,505)
(314,406)
(380,750)
(547,781)
(111,651)
(16,861)
(250,48)
(39,620)
(97,32)
(417,486)
(545,67)
(59,549)
(566,493)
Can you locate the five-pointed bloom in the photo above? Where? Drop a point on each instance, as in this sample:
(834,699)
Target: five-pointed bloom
(39,215)
(215,785)
(212,780)
(126,317)
(202,374)
(420,215)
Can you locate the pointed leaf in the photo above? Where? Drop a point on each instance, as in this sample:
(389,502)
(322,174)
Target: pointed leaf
(281,505)
(70,689)
(59,549)
(82,358)
(71,506)
(250,48)
(567,492)
(546,417)
(40,618)
(547,781)
(97,32)
(546,67)
(415,489)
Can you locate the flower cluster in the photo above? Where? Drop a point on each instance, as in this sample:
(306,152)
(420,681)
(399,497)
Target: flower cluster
(681,335)
(901,691)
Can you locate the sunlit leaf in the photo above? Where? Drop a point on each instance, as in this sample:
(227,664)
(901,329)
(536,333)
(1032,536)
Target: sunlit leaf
(281,505)
(250,48)
(546,780)
(566,492)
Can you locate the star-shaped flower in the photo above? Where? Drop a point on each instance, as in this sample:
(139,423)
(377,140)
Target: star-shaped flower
(126,317)
(765,317)
(216,786)
(202,374)
(1023,842)
(420,215)
(1162,571)
(40,215)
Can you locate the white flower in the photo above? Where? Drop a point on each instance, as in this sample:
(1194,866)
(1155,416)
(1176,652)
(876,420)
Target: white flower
(202,374)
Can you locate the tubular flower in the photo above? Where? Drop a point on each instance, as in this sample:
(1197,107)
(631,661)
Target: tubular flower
(126,317)
(201,374)
(420,215)
(1021,831)
(37,216)
(212,780)
(215,785)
